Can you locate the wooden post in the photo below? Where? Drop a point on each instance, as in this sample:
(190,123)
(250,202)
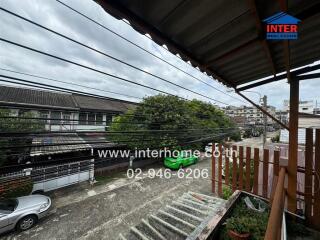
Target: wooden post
(275,218)
(248,169)
(220,171)
(256,171)
(276,159)
(316,206)
(213,169)
(234,168)
(226,164)
(240,167)
(265,173)
(308,174)
(293,145)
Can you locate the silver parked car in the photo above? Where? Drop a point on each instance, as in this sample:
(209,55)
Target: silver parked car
(22,213)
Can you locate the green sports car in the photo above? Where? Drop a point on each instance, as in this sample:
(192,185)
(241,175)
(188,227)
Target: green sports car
(182,160)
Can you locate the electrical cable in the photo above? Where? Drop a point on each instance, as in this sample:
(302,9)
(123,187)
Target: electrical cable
(145,50)
(69,83)
(105,54)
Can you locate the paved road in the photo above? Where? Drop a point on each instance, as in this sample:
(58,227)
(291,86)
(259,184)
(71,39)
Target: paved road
(106,210)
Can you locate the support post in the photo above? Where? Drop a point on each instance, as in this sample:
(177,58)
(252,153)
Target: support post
(293,145)
(265,120)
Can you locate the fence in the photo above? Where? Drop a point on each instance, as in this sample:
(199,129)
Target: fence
(46,178)
(256,170)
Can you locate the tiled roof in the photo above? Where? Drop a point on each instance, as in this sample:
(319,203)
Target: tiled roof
(34,97)
(92,103)
(50,99)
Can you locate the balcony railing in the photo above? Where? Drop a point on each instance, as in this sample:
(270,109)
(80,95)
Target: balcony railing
(263,173)
(277,208)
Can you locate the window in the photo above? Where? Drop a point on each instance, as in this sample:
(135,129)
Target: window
(45,115)
(55,117)
(305,108)
(91,118)
(99,119)
(83,118)
(66,116)
(23,112)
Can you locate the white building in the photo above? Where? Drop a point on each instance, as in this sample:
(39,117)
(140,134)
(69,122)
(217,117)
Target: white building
(252,115)
(304,106)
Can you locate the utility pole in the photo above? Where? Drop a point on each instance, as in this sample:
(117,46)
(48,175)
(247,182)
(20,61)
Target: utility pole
(265,120)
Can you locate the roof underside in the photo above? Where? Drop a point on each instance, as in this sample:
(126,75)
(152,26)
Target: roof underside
(225,39)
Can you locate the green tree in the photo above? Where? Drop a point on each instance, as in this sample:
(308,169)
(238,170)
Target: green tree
(16,124)
(179,121)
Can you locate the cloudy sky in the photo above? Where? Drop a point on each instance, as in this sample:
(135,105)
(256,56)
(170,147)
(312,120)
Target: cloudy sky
(57,17)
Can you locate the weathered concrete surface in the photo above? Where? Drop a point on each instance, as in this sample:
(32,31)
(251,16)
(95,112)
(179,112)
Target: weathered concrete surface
(106,210)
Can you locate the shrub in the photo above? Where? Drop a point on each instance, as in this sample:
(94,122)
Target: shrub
(226,192)
(16,188)
(240,224)
(240,216)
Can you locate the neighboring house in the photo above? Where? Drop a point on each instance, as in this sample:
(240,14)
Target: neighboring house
(58,160)
(63,111)
(305,121)
(304,106)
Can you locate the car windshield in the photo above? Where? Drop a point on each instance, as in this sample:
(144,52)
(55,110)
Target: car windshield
(8,205)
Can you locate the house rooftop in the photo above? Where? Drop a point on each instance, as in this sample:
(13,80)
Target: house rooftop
(35,98)
(28,97)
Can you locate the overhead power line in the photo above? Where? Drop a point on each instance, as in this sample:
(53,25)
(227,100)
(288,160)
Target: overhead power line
(106,55)
(85,66)
(99,142)
(69,83)
(66,90)
(145,50)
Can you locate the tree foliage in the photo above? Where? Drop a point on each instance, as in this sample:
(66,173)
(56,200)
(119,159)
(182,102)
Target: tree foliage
(163,120)
(16,124)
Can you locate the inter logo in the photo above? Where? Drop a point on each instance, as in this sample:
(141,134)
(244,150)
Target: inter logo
(282,26)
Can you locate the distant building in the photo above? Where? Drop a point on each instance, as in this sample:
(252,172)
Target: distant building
(304,106)
(282,116)
(251,115)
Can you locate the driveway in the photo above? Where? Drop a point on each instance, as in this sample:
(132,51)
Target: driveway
(104,211)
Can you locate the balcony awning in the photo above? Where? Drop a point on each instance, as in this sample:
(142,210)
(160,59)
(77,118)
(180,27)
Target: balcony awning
(225,39)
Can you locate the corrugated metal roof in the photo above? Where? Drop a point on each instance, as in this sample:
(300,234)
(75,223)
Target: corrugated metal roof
(58,144)
(224,38)
(69,143)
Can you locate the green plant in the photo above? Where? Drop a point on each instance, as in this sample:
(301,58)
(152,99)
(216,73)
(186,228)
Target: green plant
(16,188)
(240,224)
(15,124)
(176,115)
(245,220)
(226,192)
